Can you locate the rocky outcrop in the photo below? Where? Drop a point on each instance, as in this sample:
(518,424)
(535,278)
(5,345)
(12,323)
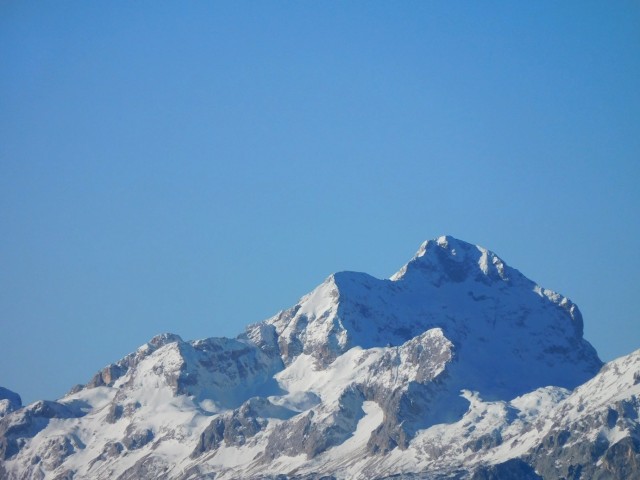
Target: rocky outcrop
(234,428)
(16,429)
(135,438)
(514,469)
(109,374)
(602,445)
(596,431)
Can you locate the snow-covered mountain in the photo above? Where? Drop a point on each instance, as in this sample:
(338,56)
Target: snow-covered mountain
(457,366)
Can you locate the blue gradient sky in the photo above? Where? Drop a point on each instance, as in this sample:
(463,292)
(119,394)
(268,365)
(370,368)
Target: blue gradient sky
(196,167)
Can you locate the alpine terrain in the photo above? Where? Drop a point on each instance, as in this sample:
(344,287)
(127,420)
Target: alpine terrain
(458,366)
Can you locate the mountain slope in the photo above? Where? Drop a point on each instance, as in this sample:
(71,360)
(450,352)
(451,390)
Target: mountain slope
(457,365)
(469,293)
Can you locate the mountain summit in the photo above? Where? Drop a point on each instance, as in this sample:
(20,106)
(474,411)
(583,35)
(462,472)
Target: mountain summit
(488,310)
(457,366)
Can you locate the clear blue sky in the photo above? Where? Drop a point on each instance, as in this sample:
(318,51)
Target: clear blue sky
(197,166)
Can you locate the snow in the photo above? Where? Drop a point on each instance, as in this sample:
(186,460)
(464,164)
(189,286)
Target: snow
(614,435)
(534,404)
(483,262)
(303,376)
(505,348)
(373,416)
(210,406)
(342,457)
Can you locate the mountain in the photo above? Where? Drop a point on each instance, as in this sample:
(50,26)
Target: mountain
(9,401)
(458,366)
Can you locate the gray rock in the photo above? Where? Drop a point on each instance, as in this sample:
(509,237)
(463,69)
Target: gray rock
(568,451)
(115,413)
(135,439)
(108,375)
(514,469)
(620,461)
(148,467)
(21,425)
(302,434)
(66,475)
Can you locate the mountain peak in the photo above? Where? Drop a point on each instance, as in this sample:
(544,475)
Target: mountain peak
(487,309)
(445,241)
(456,249)
(448,258)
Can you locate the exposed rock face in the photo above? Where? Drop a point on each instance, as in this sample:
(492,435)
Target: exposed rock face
(19,428)
(239,425)
(596,433)
(456,367)
(514,469)
(16,429)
